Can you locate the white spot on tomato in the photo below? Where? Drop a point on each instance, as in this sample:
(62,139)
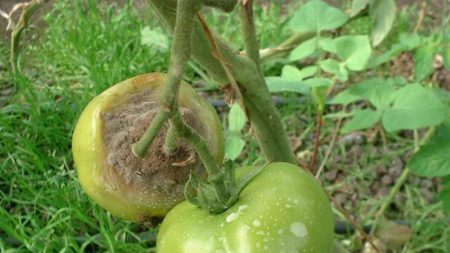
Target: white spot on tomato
(299,229)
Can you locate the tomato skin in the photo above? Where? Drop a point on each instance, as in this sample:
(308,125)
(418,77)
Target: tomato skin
(90,155)
(283,209)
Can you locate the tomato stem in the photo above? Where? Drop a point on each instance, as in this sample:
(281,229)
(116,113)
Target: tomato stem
(171,141)
(249,33)
(180,55)
(262,113)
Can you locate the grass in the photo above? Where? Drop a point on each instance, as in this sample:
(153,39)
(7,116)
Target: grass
(87,47)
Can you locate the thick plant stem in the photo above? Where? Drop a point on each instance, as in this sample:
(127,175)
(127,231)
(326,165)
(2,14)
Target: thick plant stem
(170,143)
(249,32)
(180,54)
(262,113)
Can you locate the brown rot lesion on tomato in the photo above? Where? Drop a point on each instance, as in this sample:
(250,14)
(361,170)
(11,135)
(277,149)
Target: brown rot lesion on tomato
(158,170)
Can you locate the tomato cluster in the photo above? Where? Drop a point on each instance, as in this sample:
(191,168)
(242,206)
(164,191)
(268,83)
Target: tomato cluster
(282,209)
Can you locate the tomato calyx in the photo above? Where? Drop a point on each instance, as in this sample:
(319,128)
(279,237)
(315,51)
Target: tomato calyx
(206,195)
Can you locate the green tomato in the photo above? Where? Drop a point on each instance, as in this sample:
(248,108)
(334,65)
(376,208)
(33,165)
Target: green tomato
(283,209)
(129,187)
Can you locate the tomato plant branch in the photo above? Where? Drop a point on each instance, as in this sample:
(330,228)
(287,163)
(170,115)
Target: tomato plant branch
(179,57)
(285,47)
(262,113)
(249,32)
(170,143)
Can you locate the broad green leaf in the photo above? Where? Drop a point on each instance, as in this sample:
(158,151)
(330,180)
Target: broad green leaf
(236,118)
(330,66)
(336,68)
(233,147)
(304,50)
(308,72)
(424,58)
(377,91)
(414,107)
(280,84)
(318,82)
(407,42)
(354,50)
(433,159)
(410,40)
(383,13)
(358,6)
(382,95)
(327,44)
(362,119)
(317,16)
(295,74)
(291,73)
(155,37)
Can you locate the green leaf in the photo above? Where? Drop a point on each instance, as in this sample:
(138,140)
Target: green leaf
(433,159)
(358,6)
(291,73)
(155,37)
(327,44)
(335,68)
(294,74)
(233,147)
(317,16)
(383,13)
(424,58)
(414,107)
(318,82)
(382,95)
(236,118)
(308,72)
(407,42)
(280,84)
(376,90)
(354,50)
(304,50)
(362,119)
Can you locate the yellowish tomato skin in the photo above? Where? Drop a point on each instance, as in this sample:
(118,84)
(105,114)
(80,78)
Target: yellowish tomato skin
(89,152)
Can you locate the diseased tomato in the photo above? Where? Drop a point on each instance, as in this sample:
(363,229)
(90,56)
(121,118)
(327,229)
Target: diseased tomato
(129,187)
(283,209)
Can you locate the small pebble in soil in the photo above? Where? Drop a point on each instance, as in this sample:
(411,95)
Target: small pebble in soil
(352,139)
(386,180)
(331,175)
